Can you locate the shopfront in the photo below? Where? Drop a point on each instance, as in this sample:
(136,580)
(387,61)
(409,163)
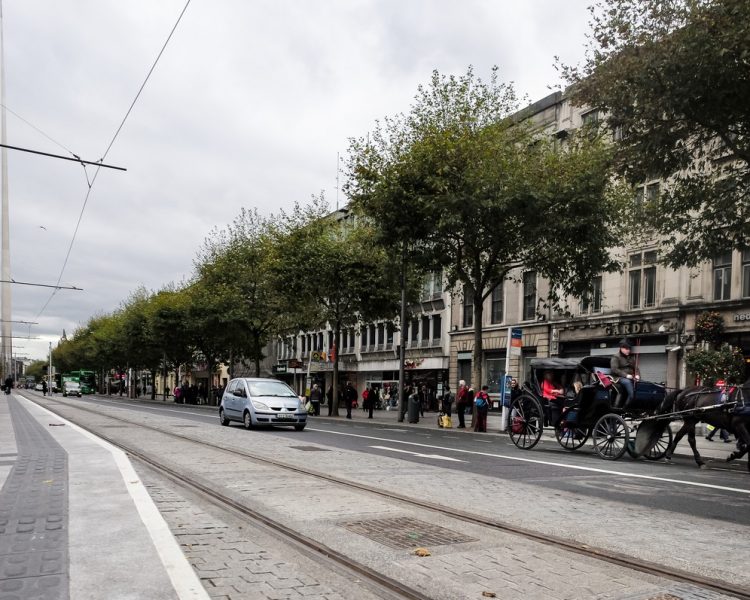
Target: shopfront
(653,340)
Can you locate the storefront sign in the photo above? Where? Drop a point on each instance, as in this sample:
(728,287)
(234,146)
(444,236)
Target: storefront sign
(742,317)
(630,328)
(516,341)
(279,369)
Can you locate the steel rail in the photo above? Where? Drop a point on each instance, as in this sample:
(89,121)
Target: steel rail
(388,584)
(678,575)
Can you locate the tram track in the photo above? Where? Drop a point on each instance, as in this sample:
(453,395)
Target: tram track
(390,585)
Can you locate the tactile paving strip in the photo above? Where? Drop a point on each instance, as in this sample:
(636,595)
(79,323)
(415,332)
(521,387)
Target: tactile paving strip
(34,515)
(405,532)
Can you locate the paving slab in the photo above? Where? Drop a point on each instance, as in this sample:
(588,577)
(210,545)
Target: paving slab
(101,540)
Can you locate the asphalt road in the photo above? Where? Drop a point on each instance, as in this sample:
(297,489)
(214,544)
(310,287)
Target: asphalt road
(721,492)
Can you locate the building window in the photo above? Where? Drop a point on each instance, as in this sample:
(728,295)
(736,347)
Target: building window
(363,333)
(590,118)
(437,327)
(415,330)
(425,330)
(746,273)
(497,304)
(389,335)
(723,276)
(432,286)
(592,303)
(381,334)
(642,279)
(372,336)
(647,194)
(468,306)
(529,295)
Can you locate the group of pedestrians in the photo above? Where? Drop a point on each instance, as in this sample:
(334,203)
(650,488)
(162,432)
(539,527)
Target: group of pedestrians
(191,394)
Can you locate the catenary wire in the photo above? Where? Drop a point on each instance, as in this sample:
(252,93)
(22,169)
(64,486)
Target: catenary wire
(104,156)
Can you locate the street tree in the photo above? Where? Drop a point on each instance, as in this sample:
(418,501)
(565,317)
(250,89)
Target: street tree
(235,266)
(168,315)
(36,369)
(466,178)
(330,272)
(673,79)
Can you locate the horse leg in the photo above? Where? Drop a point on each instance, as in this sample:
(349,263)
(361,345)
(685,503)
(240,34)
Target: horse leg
(696,454)
(677,437)
(744,436)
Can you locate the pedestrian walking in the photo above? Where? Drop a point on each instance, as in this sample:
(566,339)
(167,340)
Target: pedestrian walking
(723,434)
(366,399)
(350,397)
(44,387)
(8,384)
(329,399)
(316,396)
(482,407)
(447,401)
(372,399)
(461,398)
(424,399)
(177,392)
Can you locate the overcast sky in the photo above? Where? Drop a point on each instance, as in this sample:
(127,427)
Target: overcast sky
(247,107)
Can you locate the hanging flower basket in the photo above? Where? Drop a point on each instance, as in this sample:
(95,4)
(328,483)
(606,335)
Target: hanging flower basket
(709,327)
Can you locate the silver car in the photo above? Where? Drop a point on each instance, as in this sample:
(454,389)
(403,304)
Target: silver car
(261,402)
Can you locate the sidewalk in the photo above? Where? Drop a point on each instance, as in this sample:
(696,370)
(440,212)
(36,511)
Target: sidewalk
(716,450)
(75,519)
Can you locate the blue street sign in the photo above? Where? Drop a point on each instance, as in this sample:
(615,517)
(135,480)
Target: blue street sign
(505,390)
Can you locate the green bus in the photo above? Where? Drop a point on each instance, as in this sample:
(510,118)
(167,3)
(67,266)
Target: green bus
(86,379)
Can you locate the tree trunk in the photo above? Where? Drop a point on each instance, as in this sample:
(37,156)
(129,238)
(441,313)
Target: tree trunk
(164,376)
(476,363)
(153,384)
(335,398)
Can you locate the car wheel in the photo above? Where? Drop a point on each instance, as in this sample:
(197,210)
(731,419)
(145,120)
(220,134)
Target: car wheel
(299,427)
(223,418)
(247,420)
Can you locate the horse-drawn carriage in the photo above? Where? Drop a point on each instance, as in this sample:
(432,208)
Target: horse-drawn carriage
(591,406)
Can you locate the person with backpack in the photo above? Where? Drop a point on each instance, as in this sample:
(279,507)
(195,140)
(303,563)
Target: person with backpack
(482,407)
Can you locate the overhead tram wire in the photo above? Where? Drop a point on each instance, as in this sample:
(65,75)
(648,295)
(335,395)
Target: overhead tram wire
(104,156)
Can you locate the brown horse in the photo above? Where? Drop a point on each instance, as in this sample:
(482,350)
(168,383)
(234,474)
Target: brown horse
(737,422)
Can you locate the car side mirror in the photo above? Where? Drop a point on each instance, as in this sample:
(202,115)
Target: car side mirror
(238,393)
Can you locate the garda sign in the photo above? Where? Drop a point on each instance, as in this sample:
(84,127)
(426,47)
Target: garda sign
(516,341)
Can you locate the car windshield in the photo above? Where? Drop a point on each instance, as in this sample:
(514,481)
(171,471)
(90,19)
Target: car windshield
(71,384)
(270,388)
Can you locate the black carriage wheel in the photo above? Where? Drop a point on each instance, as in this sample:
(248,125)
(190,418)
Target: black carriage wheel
(610,436)
(659,450)
(572,438)
(526,421)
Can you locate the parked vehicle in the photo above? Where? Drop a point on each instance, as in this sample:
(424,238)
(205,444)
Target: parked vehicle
(255,401)
(38,387)
(71,388)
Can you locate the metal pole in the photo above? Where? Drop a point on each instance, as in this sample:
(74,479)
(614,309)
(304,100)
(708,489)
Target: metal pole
(504,413)
(50,375)
(402,346)
(5,288)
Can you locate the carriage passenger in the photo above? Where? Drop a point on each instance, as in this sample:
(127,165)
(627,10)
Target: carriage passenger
(554,395)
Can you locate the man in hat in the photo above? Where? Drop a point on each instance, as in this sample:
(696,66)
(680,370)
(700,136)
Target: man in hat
(623,366)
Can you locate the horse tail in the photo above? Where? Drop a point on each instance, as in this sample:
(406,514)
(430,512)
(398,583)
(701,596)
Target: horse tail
(667,405)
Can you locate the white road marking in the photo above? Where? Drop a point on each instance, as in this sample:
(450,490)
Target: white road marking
(417,454)
(393,429)
(160,408)
(544,462)
(185,581)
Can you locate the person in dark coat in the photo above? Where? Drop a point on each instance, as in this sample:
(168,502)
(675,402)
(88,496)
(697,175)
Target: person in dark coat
(447,402)
(316,397)
(350,397)
(44,387)
(622,365)
(8,384)
(329,398)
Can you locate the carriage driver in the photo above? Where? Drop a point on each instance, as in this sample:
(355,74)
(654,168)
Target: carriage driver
(623,366)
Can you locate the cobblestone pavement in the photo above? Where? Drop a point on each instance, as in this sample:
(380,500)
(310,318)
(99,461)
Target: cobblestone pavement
(33,516)
(236,560)
(505,564)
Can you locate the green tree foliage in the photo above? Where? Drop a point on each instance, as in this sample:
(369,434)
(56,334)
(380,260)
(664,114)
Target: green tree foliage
(464,177)
(36,369)
(330,271)
(674,79)
(711,364)
(235,269)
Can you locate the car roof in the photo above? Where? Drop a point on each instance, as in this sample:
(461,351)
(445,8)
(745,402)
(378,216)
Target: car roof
(258,379)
